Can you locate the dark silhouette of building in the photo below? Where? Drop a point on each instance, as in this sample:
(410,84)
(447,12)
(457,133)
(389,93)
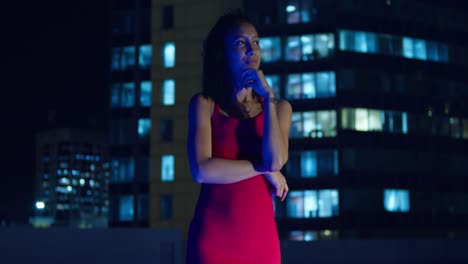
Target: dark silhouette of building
(130,102)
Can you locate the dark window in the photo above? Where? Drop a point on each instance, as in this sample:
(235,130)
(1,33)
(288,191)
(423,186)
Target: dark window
(166,207)
(168,17)
(166,130)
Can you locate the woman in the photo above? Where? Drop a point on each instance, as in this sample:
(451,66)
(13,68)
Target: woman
(237,144)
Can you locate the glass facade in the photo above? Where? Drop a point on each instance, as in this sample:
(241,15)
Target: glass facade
(401,46)
(310,85)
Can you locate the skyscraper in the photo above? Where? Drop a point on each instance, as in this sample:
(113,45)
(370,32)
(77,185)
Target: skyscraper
(130,102)
(72,177)
(379,127)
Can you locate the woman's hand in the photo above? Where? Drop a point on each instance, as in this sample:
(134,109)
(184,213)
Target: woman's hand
(256,79)
(278,182)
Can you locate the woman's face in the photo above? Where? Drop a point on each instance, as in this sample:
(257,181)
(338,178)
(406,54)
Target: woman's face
(242,49)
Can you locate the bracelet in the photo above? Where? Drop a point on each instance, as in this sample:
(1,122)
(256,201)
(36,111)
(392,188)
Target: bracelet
(273,100)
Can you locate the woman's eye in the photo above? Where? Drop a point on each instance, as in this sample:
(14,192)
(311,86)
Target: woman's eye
(239,43)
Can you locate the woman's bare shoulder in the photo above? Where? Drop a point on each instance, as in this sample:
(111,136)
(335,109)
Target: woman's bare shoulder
(201,102)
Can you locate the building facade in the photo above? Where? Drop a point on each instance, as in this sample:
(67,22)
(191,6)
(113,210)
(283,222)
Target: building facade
(130,102)
(72,177)
(379,127)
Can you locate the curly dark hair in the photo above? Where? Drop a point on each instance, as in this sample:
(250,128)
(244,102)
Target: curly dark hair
(216,81)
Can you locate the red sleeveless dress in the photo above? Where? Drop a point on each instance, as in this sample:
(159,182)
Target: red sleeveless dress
(234,223)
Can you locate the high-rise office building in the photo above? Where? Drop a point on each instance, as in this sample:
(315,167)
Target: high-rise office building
(72,177)
(130,102)
(379,128)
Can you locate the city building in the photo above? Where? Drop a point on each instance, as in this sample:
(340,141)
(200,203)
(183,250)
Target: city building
(72,177)
(130,102)
(379,127)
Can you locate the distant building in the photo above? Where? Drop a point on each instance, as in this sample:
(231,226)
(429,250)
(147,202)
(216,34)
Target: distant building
(72,178)
(131,92)
(380,125)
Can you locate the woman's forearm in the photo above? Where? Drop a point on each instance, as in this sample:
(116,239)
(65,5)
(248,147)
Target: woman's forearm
(274,148)
(224,171)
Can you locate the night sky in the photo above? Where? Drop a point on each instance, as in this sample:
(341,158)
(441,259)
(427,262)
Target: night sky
(55,75)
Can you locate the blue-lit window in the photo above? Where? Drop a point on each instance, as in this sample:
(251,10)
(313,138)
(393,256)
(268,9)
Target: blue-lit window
(144,128)
(169,53)
(298,11)
(300,235)
(312,204)
(166,207)
(115,96)
(123,170)
(311,85)
(369,42)
(396,200)
(126,210)
(167,168)
(309,47)
(274,82)
(128,58)
(271,49)
(145,93)
(312,163)
(115,64)
(168,92)
(144,58)
(314,124)
(128,95)
(415,48)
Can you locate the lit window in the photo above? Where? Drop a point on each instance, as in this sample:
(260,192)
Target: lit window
(169,51)
(144,58)
(145,93)
(396,200)
(168,92)
(116,52)
(126,208)
(144,128)
(123,170)
(128,95)
(271,49)
(312,163)
(408,50)
(127,59)
(274,82)
(297,11)
(299,235)
(312,204)
(311,85)
(115,96)
(419,46)
(362,119)
(315,124)
(167,168)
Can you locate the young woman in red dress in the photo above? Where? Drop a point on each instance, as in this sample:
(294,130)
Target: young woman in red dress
(237,145)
